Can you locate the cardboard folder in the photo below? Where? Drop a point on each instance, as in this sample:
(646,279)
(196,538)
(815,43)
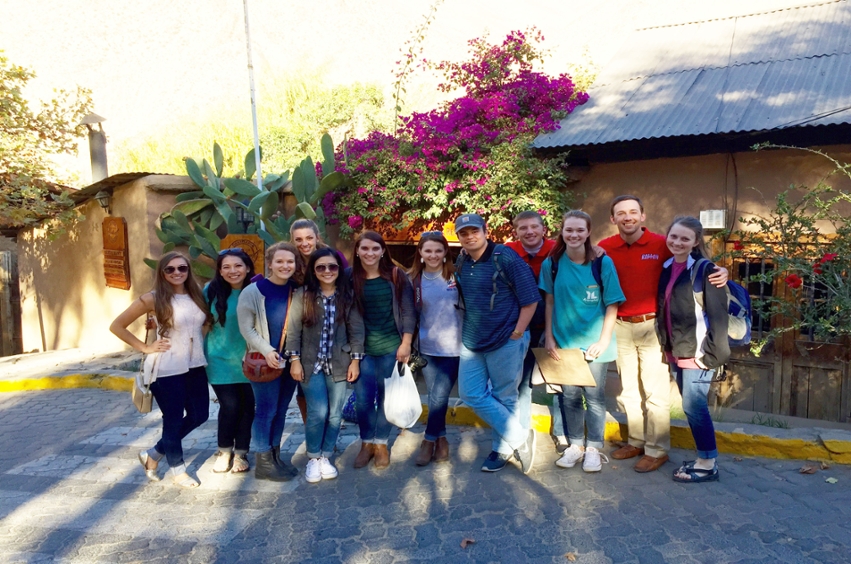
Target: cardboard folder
(570,370)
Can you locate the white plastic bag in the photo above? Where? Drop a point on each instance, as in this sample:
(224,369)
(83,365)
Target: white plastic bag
(402,405)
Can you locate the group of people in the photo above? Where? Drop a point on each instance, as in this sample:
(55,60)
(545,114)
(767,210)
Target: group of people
(327,325)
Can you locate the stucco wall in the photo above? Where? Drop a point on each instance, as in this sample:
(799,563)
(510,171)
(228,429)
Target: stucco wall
(687,185)
(64,298)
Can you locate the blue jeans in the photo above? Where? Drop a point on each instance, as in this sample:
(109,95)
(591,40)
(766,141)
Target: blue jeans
(575,413)
(694,386)
(271,400)
(325,399)
(497,405)
(440,375)
(184,393)
(369,398)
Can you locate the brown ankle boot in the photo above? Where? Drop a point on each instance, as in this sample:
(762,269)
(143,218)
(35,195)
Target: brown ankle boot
(425,454)
(441,450)
(382,456)
(302,407)
(367,451)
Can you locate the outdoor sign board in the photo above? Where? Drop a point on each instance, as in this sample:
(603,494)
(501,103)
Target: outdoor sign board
(116,262)
(253,247)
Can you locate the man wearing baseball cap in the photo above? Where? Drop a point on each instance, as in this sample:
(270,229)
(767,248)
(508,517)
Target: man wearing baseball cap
(499,295)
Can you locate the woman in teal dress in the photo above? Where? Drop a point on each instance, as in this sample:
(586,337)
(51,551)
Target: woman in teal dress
(225,348)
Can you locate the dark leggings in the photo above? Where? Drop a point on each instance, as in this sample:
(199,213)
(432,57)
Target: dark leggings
(184,393)
(236,414)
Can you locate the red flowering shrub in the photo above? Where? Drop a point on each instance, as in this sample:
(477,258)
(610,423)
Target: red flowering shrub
(814,261)
(794,281)
(472,153)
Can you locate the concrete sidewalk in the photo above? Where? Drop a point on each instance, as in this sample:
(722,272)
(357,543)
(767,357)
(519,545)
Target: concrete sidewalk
(803,440)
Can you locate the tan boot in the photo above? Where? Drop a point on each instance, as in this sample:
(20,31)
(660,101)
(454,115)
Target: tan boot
(426,453)
(367,451)
(441,450)
(382,456)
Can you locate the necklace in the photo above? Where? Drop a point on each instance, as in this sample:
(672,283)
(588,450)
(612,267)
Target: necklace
(435,277)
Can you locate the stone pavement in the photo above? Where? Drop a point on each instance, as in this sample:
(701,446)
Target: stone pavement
(71,490)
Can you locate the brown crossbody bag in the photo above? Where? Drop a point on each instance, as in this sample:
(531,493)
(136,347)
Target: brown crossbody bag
(254,365)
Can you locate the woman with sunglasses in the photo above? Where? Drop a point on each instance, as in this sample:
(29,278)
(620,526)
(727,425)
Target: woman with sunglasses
(225,348)
(262,312)
(383,296)
(438,338)
(325,346)
(180,387)
(304,234)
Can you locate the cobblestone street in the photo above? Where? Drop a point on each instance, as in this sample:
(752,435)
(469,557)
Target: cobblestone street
(72,491)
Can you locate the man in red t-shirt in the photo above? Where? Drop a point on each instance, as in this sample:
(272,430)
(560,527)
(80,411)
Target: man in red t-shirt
(639,256)
(533,248)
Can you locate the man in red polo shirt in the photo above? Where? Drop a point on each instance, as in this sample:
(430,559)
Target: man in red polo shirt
(639,256)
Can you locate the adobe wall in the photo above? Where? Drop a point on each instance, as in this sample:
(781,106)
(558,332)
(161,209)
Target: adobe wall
(64,298)
(687,185)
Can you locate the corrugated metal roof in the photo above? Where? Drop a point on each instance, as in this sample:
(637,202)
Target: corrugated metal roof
(780,69)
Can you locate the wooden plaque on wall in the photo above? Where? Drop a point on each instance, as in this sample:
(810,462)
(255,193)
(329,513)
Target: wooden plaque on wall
(253,247)
(116,262)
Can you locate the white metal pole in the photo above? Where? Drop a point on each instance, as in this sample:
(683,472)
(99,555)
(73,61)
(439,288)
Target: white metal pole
(253,101)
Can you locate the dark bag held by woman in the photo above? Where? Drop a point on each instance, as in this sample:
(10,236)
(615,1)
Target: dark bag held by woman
(254,365)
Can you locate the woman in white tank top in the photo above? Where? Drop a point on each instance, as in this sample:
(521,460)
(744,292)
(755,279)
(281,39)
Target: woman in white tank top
(177,359)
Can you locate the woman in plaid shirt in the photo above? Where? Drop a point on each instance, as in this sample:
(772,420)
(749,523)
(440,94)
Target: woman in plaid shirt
(325,346)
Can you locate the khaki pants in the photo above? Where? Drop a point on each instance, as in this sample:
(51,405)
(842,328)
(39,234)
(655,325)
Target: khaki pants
(646,382)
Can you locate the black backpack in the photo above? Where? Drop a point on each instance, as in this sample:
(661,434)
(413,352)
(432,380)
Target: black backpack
(498,272)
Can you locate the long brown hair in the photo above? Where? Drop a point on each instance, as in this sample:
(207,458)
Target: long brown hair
(164,292)
(418,266)
(385,268)
(312,288)
(561,247)
(692,223)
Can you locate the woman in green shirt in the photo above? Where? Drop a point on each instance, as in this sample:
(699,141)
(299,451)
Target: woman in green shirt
(385,300)
(225,347)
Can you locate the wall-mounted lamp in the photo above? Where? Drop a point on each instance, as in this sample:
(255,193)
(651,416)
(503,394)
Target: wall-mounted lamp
(104,198)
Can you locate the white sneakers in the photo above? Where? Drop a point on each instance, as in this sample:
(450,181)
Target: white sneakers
(592,459)
(571,456)
(319,469)
(328,470)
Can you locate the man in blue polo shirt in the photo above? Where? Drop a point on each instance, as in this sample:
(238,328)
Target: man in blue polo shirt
(499,295)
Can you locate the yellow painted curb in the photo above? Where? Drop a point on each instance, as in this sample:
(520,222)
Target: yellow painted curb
(102,381)
(728,443)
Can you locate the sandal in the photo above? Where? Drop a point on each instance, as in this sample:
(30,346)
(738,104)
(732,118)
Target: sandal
(185,481)
(223,462)
(240,464)
(695,475)
(151,473)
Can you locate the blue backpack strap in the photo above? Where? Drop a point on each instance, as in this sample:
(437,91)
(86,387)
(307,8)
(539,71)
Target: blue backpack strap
(698,274)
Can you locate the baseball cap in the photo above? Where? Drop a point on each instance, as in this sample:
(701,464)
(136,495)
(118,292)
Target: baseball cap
(469,220)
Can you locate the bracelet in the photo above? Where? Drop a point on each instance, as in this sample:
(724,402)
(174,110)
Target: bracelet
(517,333)
(292,358)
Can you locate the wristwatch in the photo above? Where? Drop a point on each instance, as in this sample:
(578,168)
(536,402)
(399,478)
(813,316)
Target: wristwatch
(517,333)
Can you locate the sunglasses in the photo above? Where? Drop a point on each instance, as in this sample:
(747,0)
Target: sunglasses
(231,251)
(429,233)
(332,267)
(183,268)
